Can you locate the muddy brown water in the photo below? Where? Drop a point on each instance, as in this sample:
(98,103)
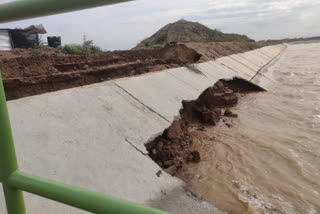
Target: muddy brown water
(268,161)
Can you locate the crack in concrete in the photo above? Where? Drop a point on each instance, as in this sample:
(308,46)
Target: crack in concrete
(267,64)
(221,63)
(131,95)
(136,148)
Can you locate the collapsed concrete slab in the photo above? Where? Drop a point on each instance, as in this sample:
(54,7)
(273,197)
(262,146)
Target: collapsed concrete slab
(94,136)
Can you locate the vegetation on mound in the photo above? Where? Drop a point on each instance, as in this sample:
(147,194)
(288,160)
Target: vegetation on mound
(37,52)
(161,38)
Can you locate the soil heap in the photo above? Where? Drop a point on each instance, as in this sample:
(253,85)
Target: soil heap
(184,31)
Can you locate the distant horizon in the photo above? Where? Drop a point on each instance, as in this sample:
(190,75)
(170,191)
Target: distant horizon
(123,26)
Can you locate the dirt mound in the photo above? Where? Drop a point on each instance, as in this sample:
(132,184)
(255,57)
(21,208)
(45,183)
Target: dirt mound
(184,31)
(26,74)
(172,150)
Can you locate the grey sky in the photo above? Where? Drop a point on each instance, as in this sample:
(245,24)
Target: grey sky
(122,26)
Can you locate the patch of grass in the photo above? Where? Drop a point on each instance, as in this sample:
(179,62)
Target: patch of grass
(227,47)
(74,49)
(147,44)
(37,52)
(191,67)
(15,52)
(253,46)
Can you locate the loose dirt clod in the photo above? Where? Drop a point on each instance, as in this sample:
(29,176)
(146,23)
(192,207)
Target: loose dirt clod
(173,147)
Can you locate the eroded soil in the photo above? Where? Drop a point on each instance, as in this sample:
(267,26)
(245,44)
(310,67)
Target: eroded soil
(173,149)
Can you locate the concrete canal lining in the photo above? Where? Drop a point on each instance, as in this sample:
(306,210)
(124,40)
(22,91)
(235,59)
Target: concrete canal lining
(94,136)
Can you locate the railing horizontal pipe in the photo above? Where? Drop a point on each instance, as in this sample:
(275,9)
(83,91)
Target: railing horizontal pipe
(77,197)
(25,9)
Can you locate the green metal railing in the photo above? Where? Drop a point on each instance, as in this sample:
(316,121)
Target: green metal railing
(23,9)
(14,181)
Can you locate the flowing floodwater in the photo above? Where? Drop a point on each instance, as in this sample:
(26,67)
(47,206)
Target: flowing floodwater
(268,161)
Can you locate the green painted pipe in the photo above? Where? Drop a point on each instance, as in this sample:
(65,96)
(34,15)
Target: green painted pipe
(8,161)
(77,197)
(25,9)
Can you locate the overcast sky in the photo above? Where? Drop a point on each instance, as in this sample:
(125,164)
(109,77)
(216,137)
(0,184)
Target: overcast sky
(123,26)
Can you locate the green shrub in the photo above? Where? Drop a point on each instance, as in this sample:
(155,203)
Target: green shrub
(147,44)
(60,48)
(227,47)
(75,49)
(95,49)
(14,51)
(79,49)
(253,46)
(160,39)
(193,68)
(87,44)
(37,52)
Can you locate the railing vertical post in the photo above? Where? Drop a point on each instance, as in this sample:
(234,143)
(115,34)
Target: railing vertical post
(8,160)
